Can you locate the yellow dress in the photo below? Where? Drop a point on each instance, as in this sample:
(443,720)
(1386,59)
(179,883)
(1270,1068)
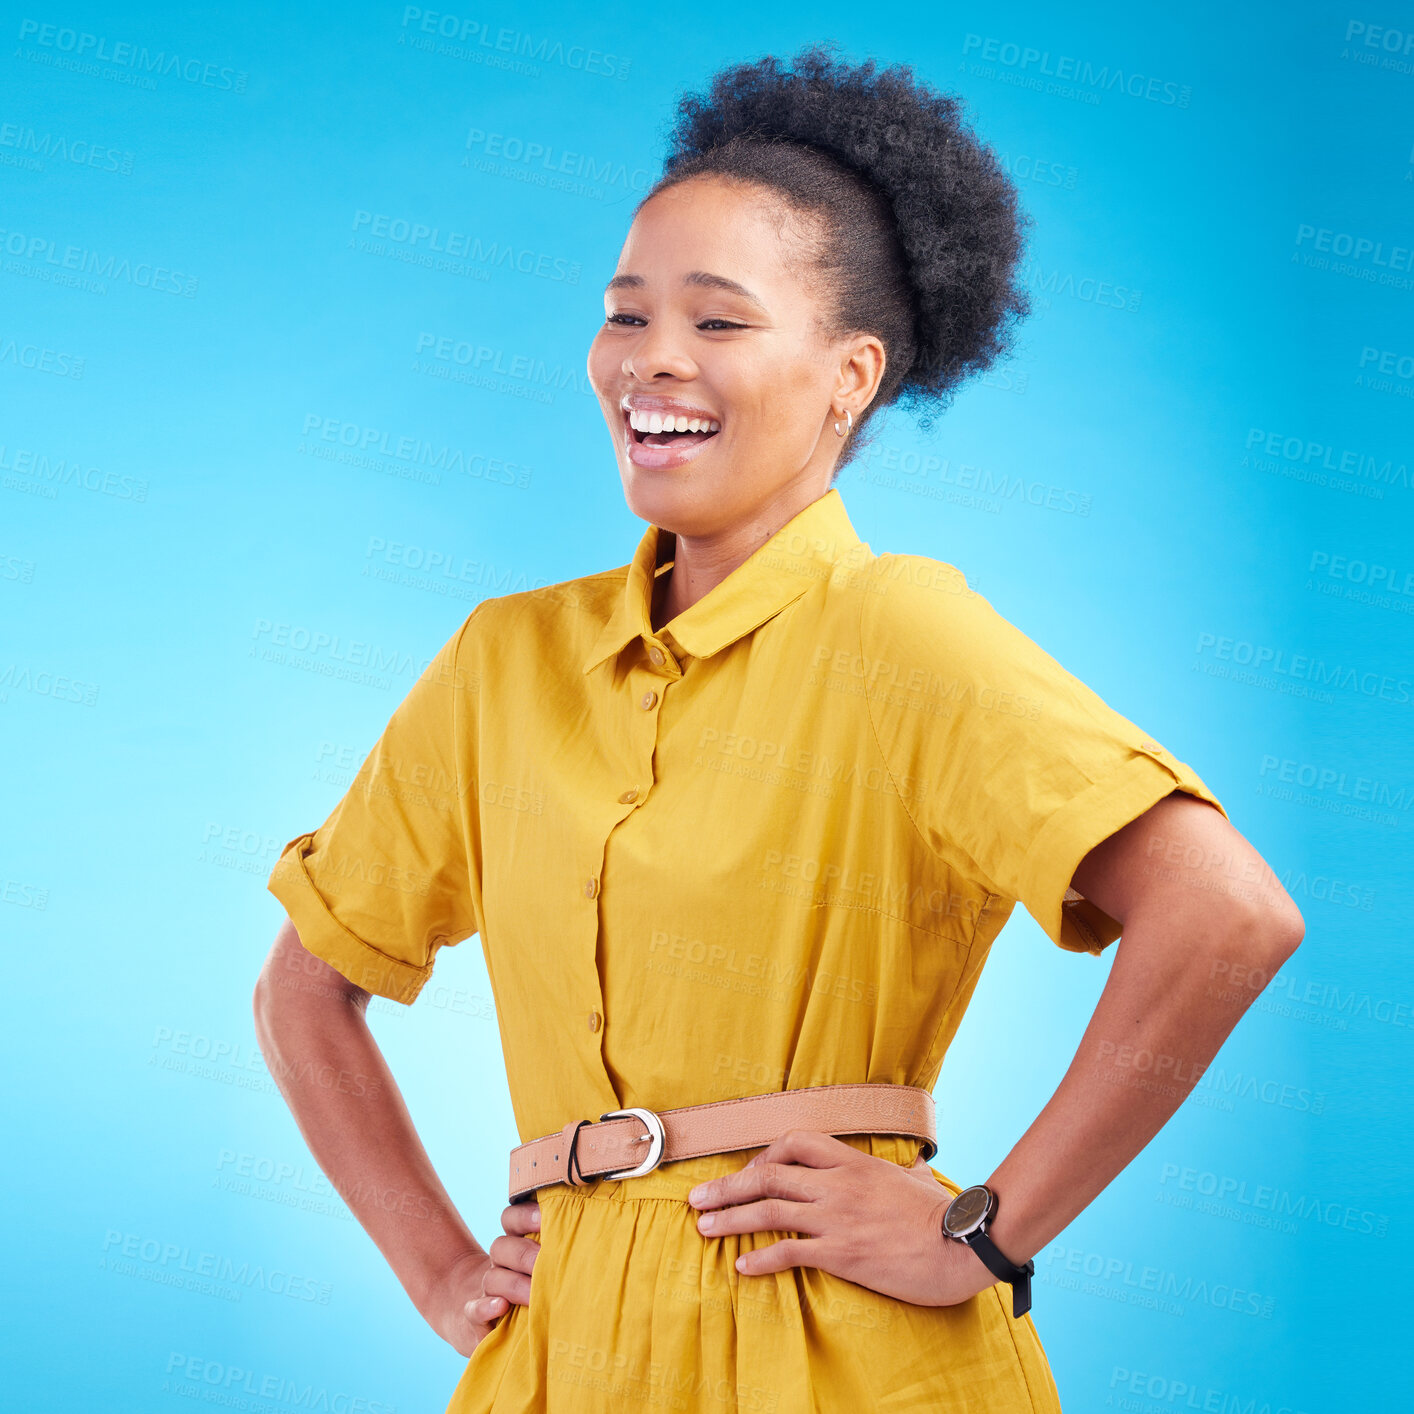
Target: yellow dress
(766,847)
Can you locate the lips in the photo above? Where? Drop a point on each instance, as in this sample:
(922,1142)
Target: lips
(663,420)
(665,431)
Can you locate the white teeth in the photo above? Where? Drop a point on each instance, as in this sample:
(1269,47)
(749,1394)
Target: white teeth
(657,422)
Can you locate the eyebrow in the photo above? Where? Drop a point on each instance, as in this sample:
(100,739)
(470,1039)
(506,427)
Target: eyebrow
(703,278)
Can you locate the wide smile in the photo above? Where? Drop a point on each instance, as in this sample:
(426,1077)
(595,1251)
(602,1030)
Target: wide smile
(660,440)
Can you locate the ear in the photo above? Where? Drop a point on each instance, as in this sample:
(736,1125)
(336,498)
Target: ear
(861,371)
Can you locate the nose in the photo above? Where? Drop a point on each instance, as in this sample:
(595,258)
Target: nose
(658,350)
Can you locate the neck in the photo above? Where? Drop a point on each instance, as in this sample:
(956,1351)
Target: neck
(700,563)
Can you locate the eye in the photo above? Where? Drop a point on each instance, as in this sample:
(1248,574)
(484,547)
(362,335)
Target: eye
(706,325)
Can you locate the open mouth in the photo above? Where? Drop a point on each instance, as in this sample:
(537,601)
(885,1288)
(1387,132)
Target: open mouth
(667,437)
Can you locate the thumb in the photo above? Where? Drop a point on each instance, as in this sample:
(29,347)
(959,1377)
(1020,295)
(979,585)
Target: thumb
(485,1309)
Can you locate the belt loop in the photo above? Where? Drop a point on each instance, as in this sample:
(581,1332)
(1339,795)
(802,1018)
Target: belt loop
(572,1162)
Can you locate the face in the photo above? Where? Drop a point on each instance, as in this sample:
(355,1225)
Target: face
(710,316)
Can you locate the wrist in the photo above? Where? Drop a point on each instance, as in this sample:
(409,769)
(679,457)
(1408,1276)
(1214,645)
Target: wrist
(967,1221)
(1009,1224)
(958,1273)
(440,1283)
(962,1269)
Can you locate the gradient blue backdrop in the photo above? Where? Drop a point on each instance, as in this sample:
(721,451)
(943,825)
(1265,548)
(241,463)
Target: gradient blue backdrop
(243,404)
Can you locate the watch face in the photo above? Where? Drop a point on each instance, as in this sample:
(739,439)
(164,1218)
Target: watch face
(966,1212)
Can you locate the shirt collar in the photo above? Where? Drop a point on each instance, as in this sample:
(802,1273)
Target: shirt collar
(800,554)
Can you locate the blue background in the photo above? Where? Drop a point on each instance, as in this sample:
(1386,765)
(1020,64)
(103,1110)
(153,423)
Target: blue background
(197,462)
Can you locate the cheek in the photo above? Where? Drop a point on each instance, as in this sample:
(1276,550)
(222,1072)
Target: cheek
(601,361)
(785,403)
(762,401)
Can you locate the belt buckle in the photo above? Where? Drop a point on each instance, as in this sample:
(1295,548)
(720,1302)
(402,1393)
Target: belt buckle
(655,1134)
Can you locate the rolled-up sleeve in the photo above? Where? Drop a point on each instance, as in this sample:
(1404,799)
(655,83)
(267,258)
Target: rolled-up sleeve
(1025,768)
(393,874)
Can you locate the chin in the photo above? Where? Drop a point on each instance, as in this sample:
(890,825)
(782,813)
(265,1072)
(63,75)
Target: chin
(670,500)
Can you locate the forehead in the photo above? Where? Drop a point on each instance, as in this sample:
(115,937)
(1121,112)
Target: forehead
(743,231)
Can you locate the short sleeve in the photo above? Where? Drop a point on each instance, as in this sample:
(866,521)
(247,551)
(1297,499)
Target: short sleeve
(394,873)
(1012,768)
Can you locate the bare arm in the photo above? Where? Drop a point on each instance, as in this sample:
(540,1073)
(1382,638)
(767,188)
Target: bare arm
(1206,924)
(314,1034)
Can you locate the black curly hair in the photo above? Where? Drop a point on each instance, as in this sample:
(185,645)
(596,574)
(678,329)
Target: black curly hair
(922,232)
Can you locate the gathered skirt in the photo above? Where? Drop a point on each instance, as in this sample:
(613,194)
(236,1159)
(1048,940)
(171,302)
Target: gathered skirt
(632,1308)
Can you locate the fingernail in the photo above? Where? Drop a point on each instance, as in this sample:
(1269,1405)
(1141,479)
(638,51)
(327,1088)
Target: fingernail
(698,1193)
(535,1217)
(705,1222)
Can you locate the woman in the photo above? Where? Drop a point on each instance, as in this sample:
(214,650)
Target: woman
(743,818)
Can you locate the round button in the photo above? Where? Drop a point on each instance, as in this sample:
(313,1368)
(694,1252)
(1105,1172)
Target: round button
(595,1021)
(648,701)
(591,887)
(629,796)
(655,656)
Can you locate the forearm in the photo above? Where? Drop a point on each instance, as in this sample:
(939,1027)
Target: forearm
(321,1053)
(1162,1017)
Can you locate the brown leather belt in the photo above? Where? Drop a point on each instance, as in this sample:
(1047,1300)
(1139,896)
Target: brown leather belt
(612,1147)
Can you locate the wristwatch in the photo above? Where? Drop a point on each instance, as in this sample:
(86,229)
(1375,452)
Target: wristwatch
(966,1219)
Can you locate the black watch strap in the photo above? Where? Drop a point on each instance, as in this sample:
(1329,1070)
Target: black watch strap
(1019,1277)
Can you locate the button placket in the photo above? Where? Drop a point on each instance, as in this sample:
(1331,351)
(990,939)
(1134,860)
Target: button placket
(646,699)
(663,660)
